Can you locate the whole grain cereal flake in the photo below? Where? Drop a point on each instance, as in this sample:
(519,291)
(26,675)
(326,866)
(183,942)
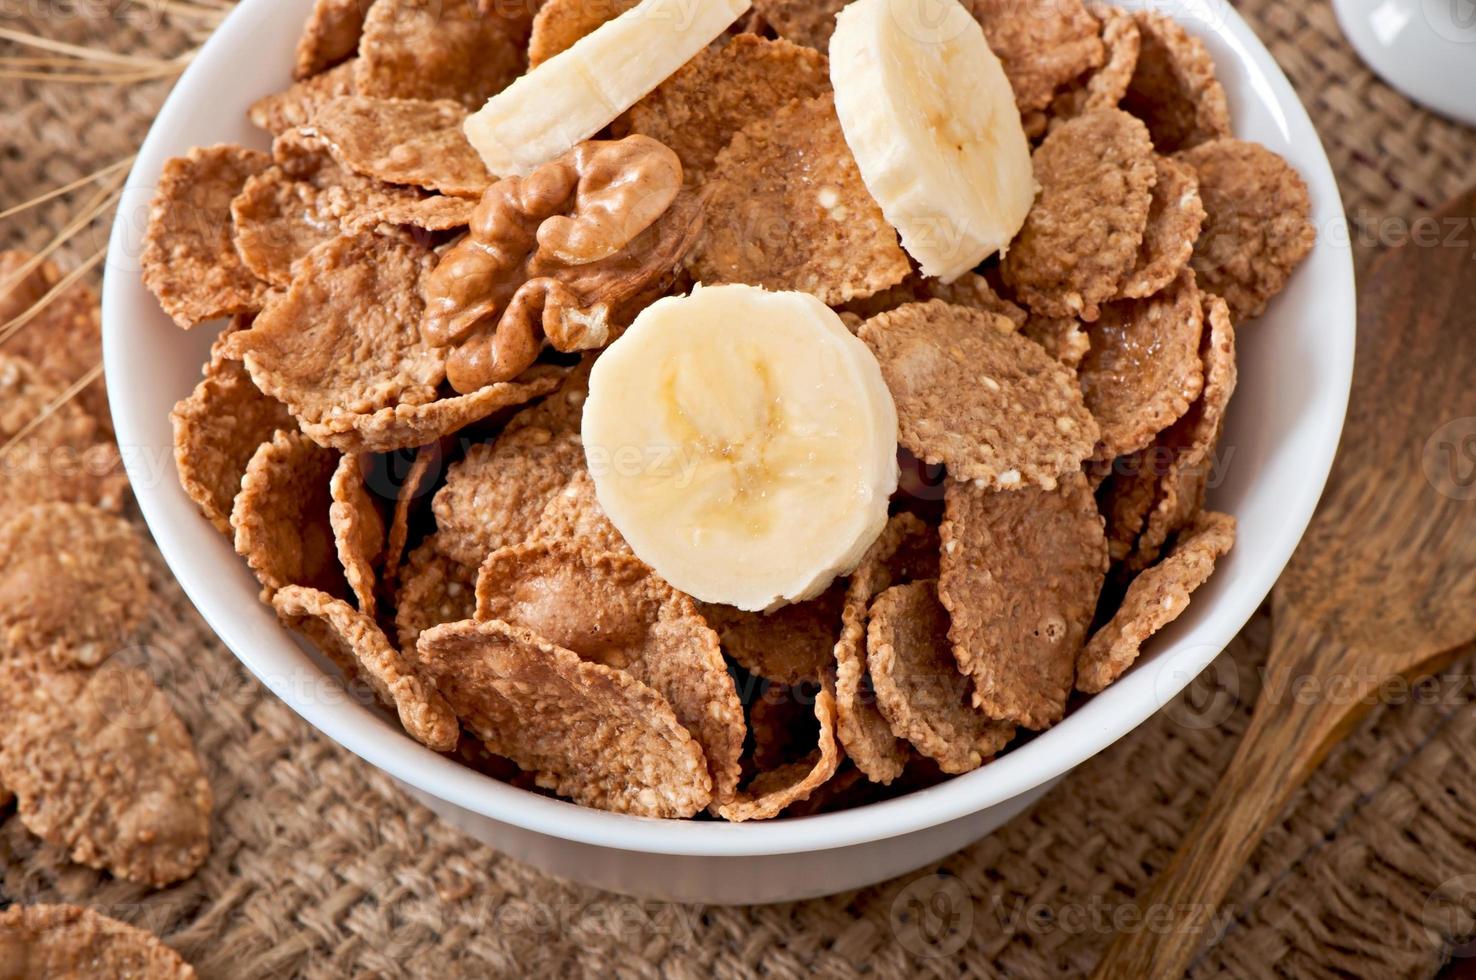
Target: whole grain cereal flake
(296,106)
(433,590)
(970,394)
(353,641)
(358,529)
(438,212)
(788,210)
(970,289)
(1143,370)
(1190,442)
(771,791)
(791,645)
(73,584)
(281,517)
(1175,217)
(697,110)
(55,452)
(1082,237)
(1126,497)
(404,141)
(447,50)
(1258,226)
(806,22)
(587,732)
(189,258)
(345,338)
(66,941)
(217,430)
(559,24)
(905,551)
(919,688)
(1063,337)
(1042,46)
(614,610)
(496,495)
(1174,89)
(1020,576)
(103,768)
(575,516)
(1156,598)
(416,483)
(407,425)
(330,36)
(1105,87)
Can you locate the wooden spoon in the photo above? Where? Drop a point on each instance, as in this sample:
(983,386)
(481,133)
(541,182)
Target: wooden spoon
(1382,586)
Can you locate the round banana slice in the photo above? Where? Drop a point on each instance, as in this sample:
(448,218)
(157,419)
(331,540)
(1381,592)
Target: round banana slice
(578,92)
(744,444)
(931,119)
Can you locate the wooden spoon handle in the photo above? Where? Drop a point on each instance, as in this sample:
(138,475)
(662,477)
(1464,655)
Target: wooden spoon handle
(1288,736)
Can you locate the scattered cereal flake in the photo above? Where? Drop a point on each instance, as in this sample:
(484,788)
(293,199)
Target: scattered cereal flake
(1191,440)
(1105,87)
(357,646)
(1063,337)
(907,550)
(63,941)
(64,339)
(404,141)
(575,515)
(281,516)
(588,732)
(773,790)
(217,430)
(102,767)
(789,211)
(790,645)
(1175,217)
(358,529)
(1020,576)
(723,89)
(434,589)
(978,398)
(1258,227)
(807,22)
(407,426)
(614,610)
(970,289)
(1125,499)
(73,586)
(417,481)
(1174,89)
(1082,236)
(560,23)
(919,688)
(1155,599)
(435,213)
(330,36)
(1143,370)
(63,456)
(496,495)
(448,50)
(189,258)
(1042,46)
(283,111)
(345,338)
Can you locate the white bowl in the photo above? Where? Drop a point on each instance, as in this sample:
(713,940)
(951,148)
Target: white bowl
(1295,367)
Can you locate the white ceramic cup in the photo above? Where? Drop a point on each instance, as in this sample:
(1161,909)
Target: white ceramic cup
(1295,367)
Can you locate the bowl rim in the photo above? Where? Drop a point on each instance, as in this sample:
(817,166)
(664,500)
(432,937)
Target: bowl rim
(1088,730)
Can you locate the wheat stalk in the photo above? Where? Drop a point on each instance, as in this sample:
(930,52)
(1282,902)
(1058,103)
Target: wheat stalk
(51,408)
(68,188)
(11,327)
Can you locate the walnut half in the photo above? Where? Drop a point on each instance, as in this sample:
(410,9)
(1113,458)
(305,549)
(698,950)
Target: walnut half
(555,256)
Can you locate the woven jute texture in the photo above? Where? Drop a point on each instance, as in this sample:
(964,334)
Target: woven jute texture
(322,868)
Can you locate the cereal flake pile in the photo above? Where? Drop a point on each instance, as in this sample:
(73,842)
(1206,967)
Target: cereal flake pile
(389,428)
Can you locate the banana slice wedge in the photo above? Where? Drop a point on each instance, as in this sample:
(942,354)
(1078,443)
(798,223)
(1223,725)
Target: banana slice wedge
(580,91)
(744,444)
(931,119)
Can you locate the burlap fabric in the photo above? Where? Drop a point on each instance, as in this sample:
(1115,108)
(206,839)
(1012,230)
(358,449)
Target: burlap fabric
(322,868)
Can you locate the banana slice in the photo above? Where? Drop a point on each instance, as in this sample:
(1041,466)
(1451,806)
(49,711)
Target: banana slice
(931,120)
(743,442)
(580,91)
